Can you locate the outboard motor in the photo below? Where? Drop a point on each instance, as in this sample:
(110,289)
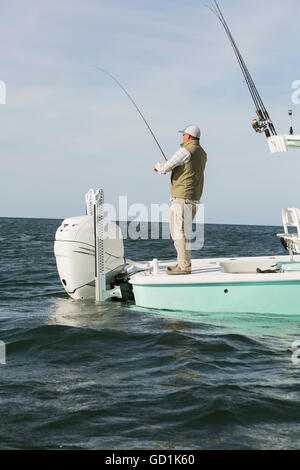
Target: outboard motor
(74,249)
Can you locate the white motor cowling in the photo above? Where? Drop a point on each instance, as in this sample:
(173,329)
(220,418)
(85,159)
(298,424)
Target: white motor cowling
(74,249)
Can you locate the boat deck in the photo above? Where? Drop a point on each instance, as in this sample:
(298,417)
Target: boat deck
(221,270)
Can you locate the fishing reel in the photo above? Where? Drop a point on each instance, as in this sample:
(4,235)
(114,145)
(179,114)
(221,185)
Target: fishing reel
(260,125)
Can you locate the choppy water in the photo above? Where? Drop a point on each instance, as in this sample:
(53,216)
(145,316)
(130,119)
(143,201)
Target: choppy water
(85,376)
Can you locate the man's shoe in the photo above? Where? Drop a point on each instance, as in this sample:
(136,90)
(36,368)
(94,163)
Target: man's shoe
(177,270)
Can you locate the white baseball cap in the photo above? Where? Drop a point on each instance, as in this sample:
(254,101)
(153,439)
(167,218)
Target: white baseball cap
(192,130)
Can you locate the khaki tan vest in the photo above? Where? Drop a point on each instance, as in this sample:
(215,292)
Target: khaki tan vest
(187,180)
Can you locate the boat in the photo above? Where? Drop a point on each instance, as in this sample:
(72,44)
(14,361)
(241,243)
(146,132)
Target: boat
(92,264)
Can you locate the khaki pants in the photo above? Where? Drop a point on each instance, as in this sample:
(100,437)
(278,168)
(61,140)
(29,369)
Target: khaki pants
(182,214)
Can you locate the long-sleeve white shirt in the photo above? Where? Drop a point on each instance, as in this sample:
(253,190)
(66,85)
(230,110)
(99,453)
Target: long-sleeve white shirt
(179,158)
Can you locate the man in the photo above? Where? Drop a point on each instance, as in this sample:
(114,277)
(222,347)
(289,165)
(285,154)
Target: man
(187,179)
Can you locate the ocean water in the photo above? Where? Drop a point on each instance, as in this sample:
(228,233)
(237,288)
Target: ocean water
(84,376)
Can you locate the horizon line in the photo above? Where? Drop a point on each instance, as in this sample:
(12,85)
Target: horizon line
(141,221)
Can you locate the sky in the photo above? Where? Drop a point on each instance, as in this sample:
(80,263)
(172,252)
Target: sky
(66,127)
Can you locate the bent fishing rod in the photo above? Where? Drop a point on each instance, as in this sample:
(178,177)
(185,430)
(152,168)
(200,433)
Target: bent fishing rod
(263,123)
(135,105)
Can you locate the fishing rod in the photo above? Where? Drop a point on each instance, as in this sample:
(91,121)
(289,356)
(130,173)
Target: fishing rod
(263,123)
(135,105)
(236,53)
(262,113)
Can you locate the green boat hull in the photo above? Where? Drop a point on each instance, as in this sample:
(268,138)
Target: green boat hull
(250,297)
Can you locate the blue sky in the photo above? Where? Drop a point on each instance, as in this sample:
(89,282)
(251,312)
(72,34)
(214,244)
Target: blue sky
(66,127)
